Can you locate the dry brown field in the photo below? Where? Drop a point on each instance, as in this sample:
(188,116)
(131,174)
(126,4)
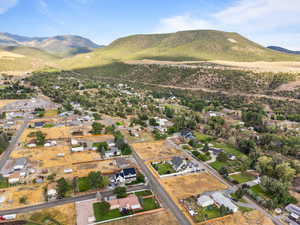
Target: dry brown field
(64,214)
(156,150)
(157,218)
(5,102)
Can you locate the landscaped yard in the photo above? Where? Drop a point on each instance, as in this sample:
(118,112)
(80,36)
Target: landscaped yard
(102,213)
(207,213)
(229,149)
(149,204)
(217,165)
(203,137)
(257,189)
(143,193)
(4,183)
(83,184)
(242,177)
(164,168)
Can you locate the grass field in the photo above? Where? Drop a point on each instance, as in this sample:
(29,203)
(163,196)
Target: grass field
(257,189)
(50,113)
(217,165)
(242,177)
(229,149)
(149,204)
(101,214)
(83,184)
(208,213)
(203,137)
(155,150)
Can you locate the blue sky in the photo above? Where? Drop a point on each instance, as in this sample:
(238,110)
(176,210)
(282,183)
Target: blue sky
(268,22)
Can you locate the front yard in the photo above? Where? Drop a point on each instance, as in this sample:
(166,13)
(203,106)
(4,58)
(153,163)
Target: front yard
(102,212)
(242,177)
(163,168)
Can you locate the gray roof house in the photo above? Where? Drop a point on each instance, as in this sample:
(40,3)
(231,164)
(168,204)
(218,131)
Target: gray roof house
(177,163)
(20,163)
(293,209)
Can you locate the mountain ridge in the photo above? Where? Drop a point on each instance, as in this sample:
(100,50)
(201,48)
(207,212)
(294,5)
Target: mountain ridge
(285,50)
(60,45)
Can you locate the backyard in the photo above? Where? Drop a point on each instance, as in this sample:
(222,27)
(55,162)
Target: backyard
(207,213)
(102,212)
(163,168)
(242,177)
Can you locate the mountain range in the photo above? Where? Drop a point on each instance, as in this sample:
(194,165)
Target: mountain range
(280,49)
(63,45)
(194,45)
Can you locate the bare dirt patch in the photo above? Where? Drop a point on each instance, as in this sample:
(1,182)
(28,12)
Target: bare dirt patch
(155,150)
(6,102)
(157,218)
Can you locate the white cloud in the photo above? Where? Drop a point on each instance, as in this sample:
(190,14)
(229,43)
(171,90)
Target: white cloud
(184,22)
(5,5)
(258,19)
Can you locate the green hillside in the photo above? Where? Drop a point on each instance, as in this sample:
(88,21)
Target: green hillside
(17,58)
(180,46)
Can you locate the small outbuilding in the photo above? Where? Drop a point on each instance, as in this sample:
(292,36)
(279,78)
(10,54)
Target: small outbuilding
(205,200)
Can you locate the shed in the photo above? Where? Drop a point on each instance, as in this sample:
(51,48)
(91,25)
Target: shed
(205,200)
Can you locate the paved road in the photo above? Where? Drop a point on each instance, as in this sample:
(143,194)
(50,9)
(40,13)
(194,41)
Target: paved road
(165,199)
(12,145)
(65,201)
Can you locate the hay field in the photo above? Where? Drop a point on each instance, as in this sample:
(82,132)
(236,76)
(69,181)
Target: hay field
(64,214)
(95,138)
(157,218)
(51,133)
(155,150)
(47,156)
(34,194)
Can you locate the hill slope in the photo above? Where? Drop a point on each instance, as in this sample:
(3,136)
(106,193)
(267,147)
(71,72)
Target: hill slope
(185,45)
(15,58)
(64,45)
(280,49)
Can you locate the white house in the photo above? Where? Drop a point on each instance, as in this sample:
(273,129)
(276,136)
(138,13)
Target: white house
(220,199)
(68,170)
(205,200)
(74,142)
(20,163)
(77,149)
(52,193)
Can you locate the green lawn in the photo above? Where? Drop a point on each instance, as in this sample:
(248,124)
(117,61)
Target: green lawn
(164,168)
(257,189)
(143,193)
(229,149)
(208,213)
(83,184)
(4,183)
(102,214)
(149,204)
(217,165)
(203,137)
(242,177)
(48,125)
(244,209)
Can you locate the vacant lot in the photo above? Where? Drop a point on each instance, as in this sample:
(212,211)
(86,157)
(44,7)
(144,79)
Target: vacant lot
(251,218)
(47,157)
(51,133)
(64,214)
(155,150)
(32,193)
(5,102)
(180,187)
(163,217)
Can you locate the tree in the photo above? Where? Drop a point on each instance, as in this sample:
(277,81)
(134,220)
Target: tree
(169,112)
(153,122)
(121,192)
(96,180)
(97,128)
(23,199)
(222,157)
(246,145)
(102,147)
(62,188)
(284,172)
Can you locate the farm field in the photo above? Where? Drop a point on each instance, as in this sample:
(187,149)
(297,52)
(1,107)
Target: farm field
(155,150)
(63,214)
(162,217)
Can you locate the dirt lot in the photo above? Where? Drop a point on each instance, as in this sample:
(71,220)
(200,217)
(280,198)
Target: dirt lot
(64,214)
(155,150)
(34,194)
(158,218)
(47,156)
(5,102)
(250,218)
(51,133)
(180,187)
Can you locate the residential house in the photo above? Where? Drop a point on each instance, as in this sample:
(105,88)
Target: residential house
(187,134)
(20,163)
(178,163)
(127,175)
(14,178)
(131,203)
(220,199)
(39,124)
(112,152)
(205,200)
